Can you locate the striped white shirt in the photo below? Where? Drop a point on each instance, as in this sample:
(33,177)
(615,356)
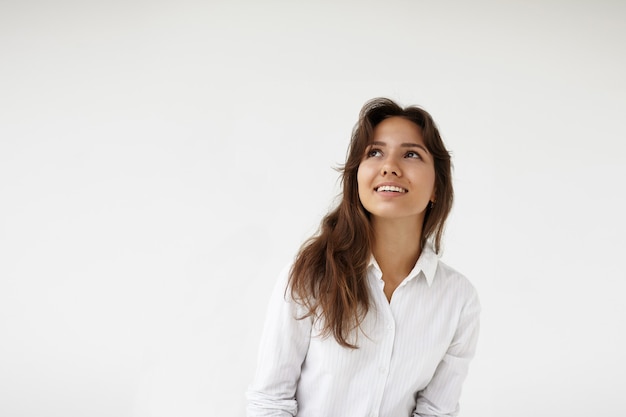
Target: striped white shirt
(412,357)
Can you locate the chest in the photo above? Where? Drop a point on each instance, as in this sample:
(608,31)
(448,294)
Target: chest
(409,334)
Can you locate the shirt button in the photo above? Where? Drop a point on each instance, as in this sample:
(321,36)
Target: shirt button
(390,326)
(383,370)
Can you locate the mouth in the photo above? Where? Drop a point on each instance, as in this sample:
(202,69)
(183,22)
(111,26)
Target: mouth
(390,188)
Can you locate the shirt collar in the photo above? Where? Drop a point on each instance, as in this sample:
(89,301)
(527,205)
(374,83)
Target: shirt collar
(427,264)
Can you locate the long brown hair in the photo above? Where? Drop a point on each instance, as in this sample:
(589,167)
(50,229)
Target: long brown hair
(328,276)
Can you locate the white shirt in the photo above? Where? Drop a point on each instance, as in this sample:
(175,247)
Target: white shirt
(412,357)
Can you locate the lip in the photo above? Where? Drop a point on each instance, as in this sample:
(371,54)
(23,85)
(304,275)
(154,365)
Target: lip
(392,184)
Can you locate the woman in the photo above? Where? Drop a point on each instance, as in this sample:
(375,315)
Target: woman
(368,321)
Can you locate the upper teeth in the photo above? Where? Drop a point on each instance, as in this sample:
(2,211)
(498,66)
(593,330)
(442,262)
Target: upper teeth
(391,188)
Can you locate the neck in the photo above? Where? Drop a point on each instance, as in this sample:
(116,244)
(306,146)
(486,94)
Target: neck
(397,245)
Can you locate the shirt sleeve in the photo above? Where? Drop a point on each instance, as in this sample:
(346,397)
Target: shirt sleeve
(283,347)
(441,396)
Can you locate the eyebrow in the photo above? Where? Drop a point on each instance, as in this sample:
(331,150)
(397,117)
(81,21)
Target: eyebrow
(404,145)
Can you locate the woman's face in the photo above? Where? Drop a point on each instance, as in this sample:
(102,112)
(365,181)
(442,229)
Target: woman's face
(396,177)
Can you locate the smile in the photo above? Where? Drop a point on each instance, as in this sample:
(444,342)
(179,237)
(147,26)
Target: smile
(390,188)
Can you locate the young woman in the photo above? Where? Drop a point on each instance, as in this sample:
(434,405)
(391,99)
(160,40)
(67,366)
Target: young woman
(368,321)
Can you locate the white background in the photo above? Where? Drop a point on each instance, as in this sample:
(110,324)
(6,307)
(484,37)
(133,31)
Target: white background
(161,161)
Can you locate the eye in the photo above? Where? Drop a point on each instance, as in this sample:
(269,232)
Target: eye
(373,153)
(412,154)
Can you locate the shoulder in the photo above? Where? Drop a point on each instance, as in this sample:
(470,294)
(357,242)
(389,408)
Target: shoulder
(283,294)
(282,285)
(455,283)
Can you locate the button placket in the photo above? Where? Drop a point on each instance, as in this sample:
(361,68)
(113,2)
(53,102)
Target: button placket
(386,331)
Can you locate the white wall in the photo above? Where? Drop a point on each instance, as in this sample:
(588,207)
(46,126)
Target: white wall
(160,162)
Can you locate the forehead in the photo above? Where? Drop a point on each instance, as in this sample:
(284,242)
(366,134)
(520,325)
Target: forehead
(397,129)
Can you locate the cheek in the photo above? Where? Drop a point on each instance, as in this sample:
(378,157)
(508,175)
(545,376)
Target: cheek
(362,182)
(425,181)
(432,183)
(359,181)
(360,175)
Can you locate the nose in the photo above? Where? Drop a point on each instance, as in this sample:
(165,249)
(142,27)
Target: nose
(390,168)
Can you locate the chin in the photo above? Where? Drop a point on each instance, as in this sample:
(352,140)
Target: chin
(381,214)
